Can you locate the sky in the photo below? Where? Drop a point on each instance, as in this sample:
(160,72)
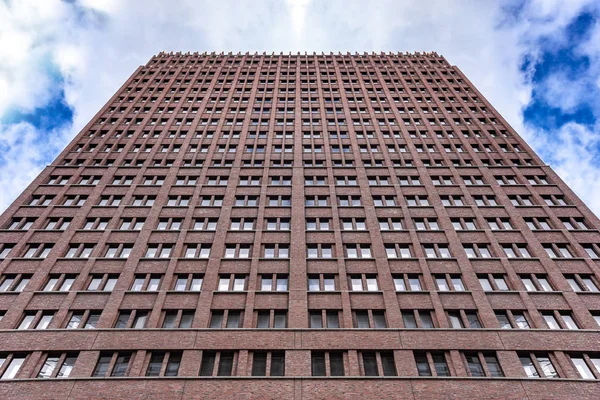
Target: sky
(536,61)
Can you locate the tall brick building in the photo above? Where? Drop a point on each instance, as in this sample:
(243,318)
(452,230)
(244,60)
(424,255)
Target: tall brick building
(299,226)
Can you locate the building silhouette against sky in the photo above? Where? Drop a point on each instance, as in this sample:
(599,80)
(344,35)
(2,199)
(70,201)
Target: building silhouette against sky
(299,226)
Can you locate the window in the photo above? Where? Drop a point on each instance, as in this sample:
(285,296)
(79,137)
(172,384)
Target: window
(480,364)
(318,224)
(271,319)
(538,224)
(278,283)
(41,200)
(473,180)
(407,282)
(102,282)
(384,201)
(436,251)
(276,251)
(205,224)
(24,224)
(5,250)
(454,200)
(146,282)
(83,319)
(538,365)
(449,282)
(132,319)
(499,224)
(520,200)
(390,224)
(556,250)
(277,201)
(78,200)
(409,180)
(479,250)
(187,282)
(12,364)
(582,282)
(317,283)
(492,282)
(343,201)
(559,320)
(460,319)
(261,359)
(79,250)
(536,282)
(320,360)
(164,363)
(36,320)
(200,250)
(278,224)
(99,224)
(112,364)
(57,365)
(38,250)
(377,363)
(162,250)
(397,250)
(178,201)
(359,283)
(59,283)
(511,319)
(417,319)
(587,365)
(143,201)
(178,319)
(516,250)
(485,201)
(319,251)
(353,224)
(118,250)
(211,201)
(229,283)
(217,180)
(324,319)
(358,251)
(169,224)
(14,283)
(592,250)
(431,363)
(554,200)
(461,224)
(574,224)
(370,319)
(237,251)
(218,363)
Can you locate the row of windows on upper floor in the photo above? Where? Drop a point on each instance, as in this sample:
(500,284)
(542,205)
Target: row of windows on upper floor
(289,148)
(312,224)
(265,109)
(317,319)
(410,282)
(290,121)
(280,180)
(292,59)
(408,74)
(456,200)
(265,71)
(438,363)
(315,134)
(313,250)
(288,95)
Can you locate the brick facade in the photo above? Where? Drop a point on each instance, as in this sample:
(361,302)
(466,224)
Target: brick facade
(299,226)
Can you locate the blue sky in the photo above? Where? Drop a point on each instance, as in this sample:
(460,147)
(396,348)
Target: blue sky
(537,61)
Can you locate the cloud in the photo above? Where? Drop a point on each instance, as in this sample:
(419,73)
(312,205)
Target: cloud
(94,45)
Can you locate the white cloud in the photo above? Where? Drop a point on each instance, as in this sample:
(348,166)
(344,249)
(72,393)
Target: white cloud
(25,158)
(97,44)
